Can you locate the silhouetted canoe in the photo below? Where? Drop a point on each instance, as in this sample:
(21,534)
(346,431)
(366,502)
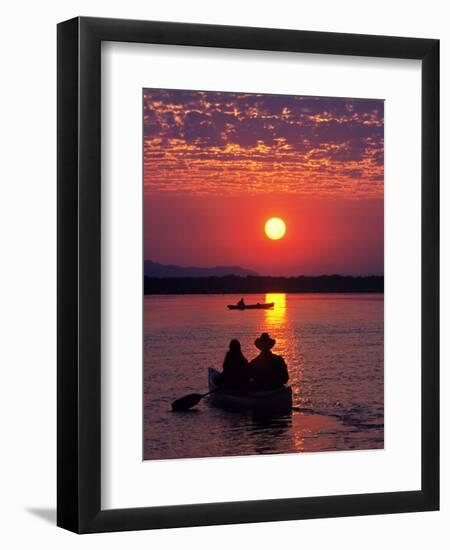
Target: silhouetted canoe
(269,305)
(279,400)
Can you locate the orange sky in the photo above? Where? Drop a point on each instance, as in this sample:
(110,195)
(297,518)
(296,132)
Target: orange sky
(218,165)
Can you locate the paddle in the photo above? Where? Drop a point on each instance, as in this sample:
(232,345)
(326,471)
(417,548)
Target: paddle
(188,401)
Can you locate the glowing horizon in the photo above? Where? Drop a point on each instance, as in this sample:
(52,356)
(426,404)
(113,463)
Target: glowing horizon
(218,165)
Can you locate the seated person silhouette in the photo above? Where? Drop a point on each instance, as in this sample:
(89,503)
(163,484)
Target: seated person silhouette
(235,372)
(241,303)
(268,371)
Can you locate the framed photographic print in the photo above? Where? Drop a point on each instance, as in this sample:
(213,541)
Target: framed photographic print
(248,289)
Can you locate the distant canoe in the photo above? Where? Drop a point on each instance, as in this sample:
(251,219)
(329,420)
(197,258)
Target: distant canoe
(268,305)
(270,401)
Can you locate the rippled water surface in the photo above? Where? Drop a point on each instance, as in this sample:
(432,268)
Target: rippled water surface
(332,343)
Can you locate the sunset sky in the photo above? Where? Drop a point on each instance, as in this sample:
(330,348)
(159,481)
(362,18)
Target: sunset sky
(218,165)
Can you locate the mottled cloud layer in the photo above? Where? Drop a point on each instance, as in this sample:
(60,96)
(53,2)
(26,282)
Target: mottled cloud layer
(233,143)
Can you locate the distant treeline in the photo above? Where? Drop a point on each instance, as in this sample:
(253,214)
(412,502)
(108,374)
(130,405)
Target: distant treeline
(232,284)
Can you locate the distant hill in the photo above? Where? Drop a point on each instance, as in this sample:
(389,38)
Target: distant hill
(154,269)
(255,284)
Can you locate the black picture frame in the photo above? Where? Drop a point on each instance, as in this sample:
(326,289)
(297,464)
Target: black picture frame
(79,281)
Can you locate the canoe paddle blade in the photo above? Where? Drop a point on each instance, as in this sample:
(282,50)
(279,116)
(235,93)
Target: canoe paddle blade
(187,402)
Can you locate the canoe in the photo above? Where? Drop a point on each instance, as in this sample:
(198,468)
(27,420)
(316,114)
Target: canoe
(272,401)
(268,305)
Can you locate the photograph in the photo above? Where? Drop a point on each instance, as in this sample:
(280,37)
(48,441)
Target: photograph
(263,274)
(248,274)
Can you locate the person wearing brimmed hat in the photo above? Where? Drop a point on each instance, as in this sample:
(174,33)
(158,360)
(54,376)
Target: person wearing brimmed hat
(268,370)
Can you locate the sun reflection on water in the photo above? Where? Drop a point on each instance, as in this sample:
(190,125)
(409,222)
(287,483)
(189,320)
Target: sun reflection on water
(275,317)
(275,321)
(288,342)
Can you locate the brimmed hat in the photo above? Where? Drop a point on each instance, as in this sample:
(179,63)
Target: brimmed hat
(264,342)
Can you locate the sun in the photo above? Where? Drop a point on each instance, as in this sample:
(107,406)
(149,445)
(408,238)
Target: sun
(275,228)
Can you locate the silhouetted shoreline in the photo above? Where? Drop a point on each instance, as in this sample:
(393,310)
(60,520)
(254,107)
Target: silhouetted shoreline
(231,284)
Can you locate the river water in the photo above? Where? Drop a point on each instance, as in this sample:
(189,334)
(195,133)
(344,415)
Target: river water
(333,346)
